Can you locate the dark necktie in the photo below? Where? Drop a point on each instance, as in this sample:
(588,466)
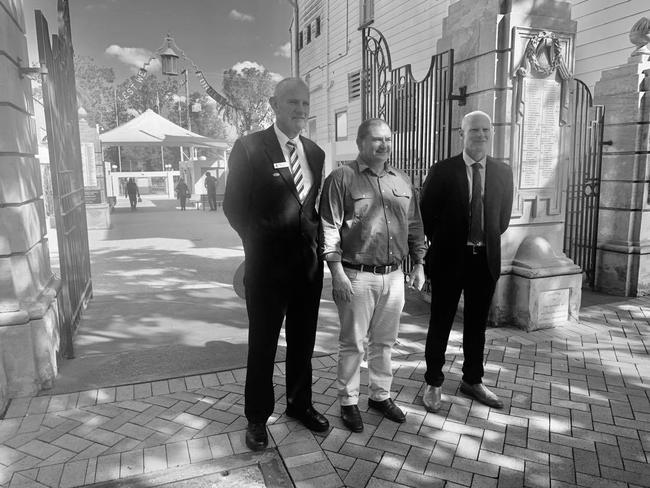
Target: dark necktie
(476,224)
(296,170)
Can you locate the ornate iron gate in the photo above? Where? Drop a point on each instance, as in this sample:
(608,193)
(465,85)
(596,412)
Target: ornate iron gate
(60,102)
(419,112)
(585,132)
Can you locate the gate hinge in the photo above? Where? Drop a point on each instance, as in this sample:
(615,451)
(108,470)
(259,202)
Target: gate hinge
(33,70)
(461,97)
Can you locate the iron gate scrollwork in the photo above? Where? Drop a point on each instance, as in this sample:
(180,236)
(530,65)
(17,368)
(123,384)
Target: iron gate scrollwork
(418,112)
(60,103)
(583,184)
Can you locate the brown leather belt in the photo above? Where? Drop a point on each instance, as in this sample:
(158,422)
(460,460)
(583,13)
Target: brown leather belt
(388,268)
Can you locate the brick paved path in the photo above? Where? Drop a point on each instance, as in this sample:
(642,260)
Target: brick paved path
(577,413)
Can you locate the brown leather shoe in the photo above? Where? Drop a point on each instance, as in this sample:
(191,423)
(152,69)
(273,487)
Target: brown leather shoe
(432,398)
(310,418)
(388,408)
(352,418)
(482,394)
(256,436)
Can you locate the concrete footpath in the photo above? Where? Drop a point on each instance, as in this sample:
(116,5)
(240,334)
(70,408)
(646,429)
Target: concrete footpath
(154,396)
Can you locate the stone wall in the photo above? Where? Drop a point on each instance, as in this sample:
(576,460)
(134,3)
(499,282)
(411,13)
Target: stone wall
(28,288)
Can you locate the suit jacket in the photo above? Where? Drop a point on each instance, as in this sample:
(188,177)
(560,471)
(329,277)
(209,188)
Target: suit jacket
(445,213)
(262,205)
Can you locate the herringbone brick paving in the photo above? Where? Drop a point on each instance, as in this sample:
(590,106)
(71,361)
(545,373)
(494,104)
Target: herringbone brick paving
(577,413)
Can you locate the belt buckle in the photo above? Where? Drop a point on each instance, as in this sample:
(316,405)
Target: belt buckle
(378,270)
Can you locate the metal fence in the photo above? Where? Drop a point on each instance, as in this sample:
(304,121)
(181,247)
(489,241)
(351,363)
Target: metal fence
(60,102)
(583,185)
(418,112)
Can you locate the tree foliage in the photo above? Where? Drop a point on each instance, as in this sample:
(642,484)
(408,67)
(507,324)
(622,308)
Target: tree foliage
(248,90)
(95,91)
(101,97)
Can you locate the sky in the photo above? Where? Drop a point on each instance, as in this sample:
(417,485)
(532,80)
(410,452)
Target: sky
(215,34)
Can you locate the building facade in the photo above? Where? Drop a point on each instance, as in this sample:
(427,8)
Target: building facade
(328,45)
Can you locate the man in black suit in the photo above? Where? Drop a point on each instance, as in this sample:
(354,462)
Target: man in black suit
(273,183)
(466,205)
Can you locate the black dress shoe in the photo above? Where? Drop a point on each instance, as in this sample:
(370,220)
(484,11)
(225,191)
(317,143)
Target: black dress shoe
(482,394)
(388,408)
(352,418)
(256,436)
(310,418)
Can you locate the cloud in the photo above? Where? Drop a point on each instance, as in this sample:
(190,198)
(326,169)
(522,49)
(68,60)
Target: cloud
(135,57)
(235,15)
(242,65)
(283,51)
(259,67)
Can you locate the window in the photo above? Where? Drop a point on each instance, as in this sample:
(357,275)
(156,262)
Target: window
(311,128)
(300,40)
(341,126)
(354,85)
(308,33)
(317,33)
(366,13)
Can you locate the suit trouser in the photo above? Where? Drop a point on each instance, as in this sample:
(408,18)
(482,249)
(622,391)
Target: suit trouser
(474,279)
(372,313)
(268,304)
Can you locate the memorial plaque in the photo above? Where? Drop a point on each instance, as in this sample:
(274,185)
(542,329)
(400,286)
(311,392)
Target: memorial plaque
(553,307)
(541,133)
(92,195)
(88,163)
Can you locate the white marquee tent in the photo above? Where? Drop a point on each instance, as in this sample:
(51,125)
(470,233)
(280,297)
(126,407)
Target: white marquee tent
(151,129)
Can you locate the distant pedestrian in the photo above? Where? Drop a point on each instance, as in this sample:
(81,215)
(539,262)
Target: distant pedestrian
(466,205)
(211,187)
(182,192)
(370,222)
(133,192)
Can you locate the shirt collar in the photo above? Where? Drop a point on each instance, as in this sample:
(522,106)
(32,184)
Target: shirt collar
(282,137)
(469,161)
(363,166)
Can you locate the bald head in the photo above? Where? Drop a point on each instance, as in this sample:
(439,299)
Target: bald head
(475,115)
(290,102)
(289,84)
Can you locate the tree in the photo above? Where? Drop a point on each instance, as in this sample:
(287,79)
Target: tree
(207,121)
(248,90)
(95,91)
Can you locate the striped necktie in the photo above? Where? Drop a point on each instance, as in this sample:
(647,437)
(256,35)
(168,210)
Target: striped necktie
(296,170)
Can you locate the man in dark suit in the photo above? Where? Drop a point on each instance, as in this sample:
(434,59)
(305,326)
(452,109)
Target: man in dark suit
(274,179)
(466,205)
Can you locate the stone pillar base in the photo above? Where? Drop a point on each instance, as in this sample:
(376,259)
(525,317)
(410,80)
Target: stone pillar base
(98,215)
(623,269)
(542,291)
(29,342)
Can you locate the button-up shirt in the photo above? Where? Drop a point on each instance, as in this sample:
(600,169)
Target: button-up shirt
(370,219)
(307,177)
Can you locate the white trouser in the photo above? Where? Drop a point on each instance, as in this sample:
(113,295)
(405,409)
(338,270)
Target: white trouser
(372,314)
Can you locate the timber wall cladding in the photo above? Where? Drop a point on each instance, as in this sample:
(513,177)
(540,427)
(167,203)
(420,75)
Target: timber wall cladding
(18,167)
(602,39)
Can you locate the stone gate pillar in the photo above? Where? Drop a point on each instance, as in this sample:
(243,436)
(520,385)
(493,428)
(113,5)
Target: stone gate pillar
(28,289)
(516,58)
(623,261)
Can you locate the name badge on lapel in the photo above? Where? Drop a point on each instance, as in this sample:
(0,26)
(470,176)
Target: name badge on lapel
(283,164)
